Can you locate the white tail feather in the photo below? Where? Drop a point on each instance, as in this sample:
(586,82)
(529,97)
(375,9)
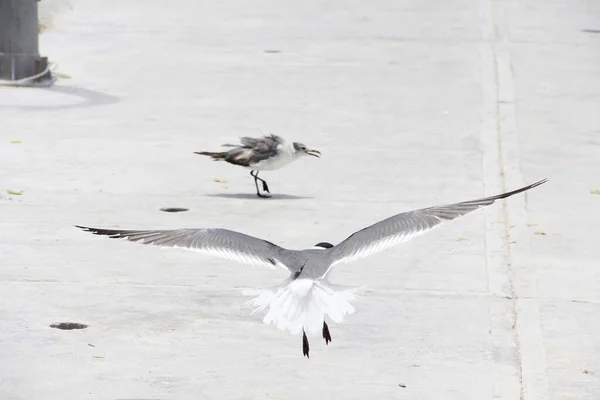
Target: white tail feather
(302,304)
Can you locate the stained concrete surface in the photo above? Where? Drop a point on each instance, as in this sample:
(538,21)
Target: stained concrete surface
(413,103)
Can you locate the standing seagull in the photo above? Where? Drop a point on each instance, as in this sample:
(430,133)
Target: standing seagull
(302,301)
(266,153)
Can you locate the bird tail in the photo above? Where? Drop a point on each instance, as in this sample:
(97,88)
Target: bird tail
(216,156)
(302,304)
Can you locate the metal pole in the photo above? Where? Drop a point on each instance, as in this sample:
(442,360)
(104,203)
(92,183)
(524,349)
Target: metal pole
(19,51)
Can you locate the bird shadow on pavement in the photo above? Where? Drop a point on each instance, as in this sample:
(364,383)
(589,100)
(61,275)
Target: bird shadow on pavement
(252,196)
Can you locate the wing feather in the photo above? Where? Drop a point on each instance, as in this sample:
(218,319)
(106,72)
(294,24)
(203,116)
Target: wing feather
(405,226)
(221,243)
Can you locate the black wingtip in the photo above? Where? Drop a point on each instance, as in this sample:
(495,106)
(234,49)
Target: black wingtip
(111,233)
(538,183)
(523,189)
(88,229)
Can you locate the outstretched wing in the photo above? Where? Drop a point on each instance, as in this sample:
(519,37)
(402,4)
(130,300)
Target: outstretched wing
(403,227)
(222,243)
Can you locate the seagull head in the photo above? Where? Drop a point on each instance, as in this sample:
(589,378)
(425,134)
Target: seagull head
(302,150)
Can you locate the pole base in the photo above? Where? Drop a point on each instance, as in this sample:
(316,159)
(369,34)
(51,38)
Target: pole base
(17,69)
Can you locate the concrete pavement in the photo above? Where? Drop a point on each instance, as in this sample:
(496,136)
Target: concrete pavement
(412,104)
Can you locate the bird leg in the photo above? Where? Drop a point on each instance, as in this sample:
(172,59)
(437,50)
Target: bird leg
(326,334)
(305,347)
(265,187)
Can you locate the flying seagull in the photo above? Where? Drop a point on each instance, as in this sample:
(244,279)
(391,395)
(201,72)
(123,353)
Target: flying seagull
(266,153)
(306,297)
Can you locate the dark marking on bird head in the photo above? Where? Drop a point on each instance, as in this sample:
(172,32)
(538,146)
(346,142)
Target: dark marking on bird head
(301,148)
(324,245)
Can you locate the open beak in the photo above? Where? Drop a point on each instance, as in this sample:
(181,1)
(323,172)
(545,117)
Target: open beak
(314,153)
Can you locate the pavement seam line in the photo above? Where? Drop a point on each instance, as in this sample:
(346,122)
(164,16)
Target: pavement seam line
(527,323)
(507,237)
(505,339)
